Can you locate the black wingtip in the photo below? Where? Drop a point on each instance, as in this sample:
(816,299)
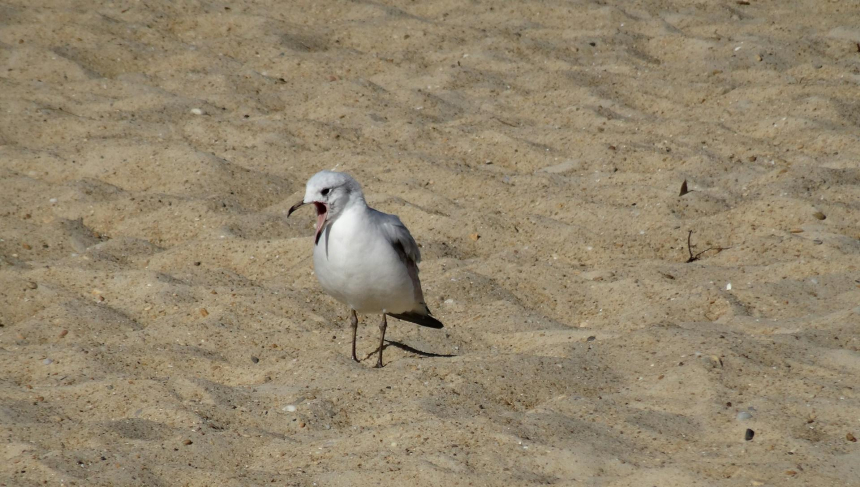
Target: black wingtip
(418,319)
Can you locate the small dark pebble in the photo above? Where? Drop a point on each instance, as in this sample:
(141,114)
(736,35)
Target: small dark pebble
(255,359)
(591,338)
(197,263)
(749,434)
(187,442)
(819,216)
(103,458)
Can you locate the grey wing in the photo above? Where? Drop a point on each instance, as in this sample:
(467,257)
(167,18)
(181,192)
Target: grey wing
(400,238)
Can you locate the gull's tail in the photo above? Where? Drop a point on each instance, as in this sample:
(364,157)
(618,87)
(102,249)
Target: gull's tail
(419,319)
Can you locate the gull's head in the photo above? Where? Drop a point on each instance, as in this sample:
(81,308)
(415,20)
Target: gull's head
(330,192)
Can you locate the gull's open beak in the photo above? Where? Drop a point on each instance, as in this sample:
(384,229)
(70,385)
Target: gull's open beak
(295,207)
(322,216)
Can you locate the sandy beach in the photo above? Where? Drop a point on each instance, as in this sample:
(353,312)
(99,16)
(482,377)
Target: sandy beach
(161,324)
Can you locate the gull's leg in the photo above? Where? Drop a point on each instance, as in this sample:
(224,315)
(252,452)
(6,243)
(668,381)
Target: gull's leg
(382,325)
(353,321)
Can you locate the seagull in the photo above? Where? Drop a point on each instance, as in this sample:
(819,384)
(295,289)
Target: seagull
(364,258)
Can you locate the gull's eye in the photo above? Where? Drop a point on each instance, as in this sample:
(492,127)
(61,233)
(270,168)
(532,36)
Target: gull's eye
(325,191)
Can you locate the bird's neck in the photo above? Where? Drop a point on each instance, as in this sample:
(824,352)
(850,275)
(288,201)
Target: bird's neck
(357,199)
(355,203)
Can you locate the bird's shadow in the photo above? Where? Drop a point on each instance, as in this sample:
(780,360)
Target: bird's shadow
(407,348)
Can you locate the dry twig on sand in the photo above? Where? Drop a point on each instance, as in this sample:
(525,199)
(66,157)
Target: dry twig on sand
(696,257)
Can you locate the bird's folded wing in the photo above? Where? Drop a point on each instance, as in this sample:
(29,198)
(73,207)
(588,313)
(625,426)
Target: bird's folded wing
(399,237)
